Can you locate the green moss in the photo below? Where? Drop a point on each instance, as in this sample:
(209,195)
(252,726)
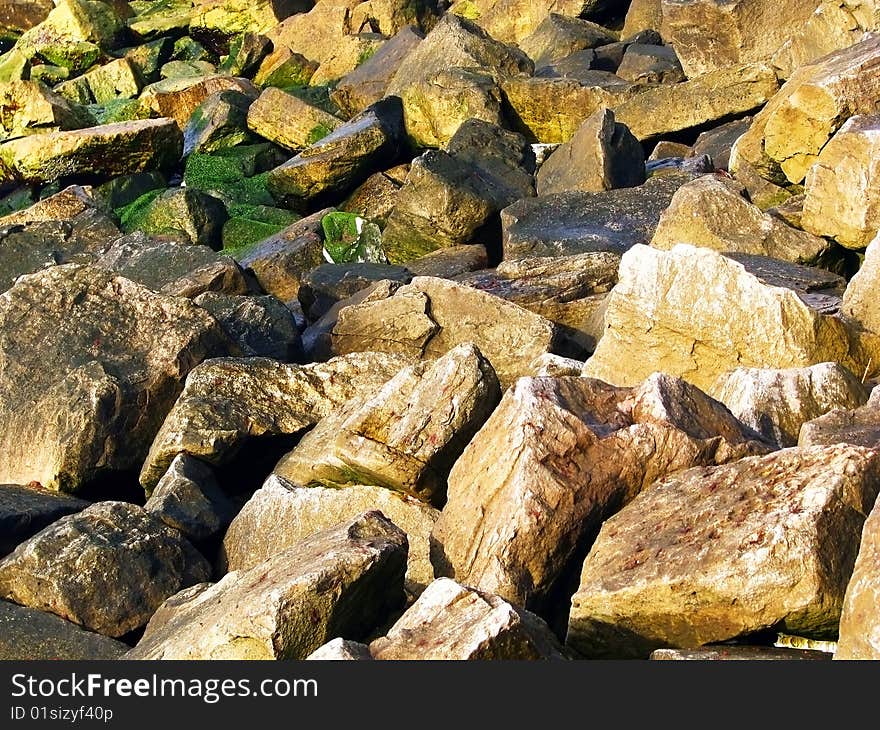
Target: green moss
(131,216)
(77,56)
(318,96)
(467,10)
(118,110)
(317,133)
(366,54)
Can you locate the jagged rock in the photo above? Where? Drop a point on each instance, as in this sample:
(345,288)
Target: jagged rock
(341,650)
(718,142)
(289,121)
(429,317)
(862,312)
(555,459)
(341,581)
(375,199)
(776,403)
(840,199)
(328,284)
(454,622)
(700,100)
(226,402)
(106,568)
(119,79)
(389,17)
(602,155)
(178,98)
(281,514)
(787,135)
(859,427)
(188,499)
(27,634)
(345,157)
(738,653)
(28,107)
(667,570)
(647,64)
(406,436)
(578,222)
(512,21)
(195,215)
(559,36)
(695,313)
(642,15)
(25,510)
(246,53)
(448,263)
(228,17)
(714,212)
(348,54)
(283,68)
(220,121)
(109,150)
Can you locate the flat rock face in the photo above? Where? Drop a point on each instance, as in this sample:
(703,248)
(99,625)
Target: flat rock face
(107,568)
(289,121)
(667,571)
(281,514)
(25,510)
(557,457)
(405,437)
(226,402)
(428,317)
(338,582)
(777,403)
(859,427)
(106,354)
(27,634)
(453,622)
(695,313)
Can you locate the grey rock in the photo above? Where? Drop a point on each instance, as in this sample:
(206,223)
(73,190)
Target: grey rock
(25,510)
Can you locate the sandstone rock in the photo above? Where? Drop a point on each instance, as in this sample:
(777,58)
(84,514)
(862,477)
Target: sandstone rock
(178,98)
(107,568)
(90,363)
(280,515)
(28,107)
(317,34)
(375,199)
(719,141)
(642,15)
(667,571)
(109,150)
(512,21)
(341,581)
(283,68)
(328,284)
(558,36)
(602,155)
(858,426)
(219,122)
(289,121)
(714,212)
(25,510)
(454,622)
(861,310)
(556,458)
(665,150)
(695,313)
(647,64)
(341,650)
(226,402)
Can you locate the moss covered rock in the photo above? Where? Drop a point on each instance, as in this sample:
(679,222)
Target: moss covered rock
(195,215)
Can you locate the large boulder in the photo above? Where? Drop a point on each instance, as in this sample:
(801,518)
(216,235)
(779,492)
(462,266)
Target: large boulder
(25,510)
(857,426)
(512,21)
(667,570)
(289,121)
(860,307)
(29,107)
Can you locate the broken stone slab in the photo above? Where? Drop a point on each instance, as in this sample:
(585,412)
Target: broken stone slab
(643,63)
(105,352)
(29,107)
(556,458)
(280,515)
(695,313)
(227,401)
(455,622)
(25,510)
(179,97)
(106,568)
(667,570)
(777,403)
(559,36)
(289,121)
(343,581)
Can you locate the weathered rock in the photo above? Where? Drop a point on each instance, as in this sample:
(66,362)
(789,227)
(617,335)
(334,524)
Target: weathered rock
(454,622)
(695,313)
(732,652)
(17,17)
(719,141)
(28,107)
(429,317)
(341,650)
(558,36)
(113,149)
(859,427)
(246,53)
(448,263)
(647,64)
(220,121)
(556,458)
(328,284)
(27,634)
(226,402)
(700,100)
(776,403)
(602,155)
(642,15)
(714,212)
(107,568)
(667,571)
(119,79)
(283,68)
(281,514)
(513,20)
(228,17)
(341,581)
(375,199)
(186,211)
(289,121)
(665,150)
(25,510)
(178,98)
(555,366)
(862,312)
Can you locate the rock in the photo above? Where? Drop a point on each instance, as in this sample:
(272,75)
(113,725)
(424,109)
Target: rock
(455,623)
(341,581)
(787,135)
(555,459)
(840,201)
(719,141)
(642,15)
(284,68)
(17,17)
(794,517)
(512,21)
(406,436)
(665,150)
(188,499)
(178,98)
(289,121)
(695,313)
(246,53)
(227,402)
(119,79)
(429,317)
(558,36)
(328,284)
(447,263)
(578,222)
(219,122)
(554,366)
(375,199)
(28,107)
(227,17)
(26,634)
(858,426)
(738,653)
(647,64)
(344,158)
(25,510)
(714,212)
(106,568)
(341,650)
(602,155)
(295,513)
(109,150)
(698,101)
(776,403)
(195,215)
(262,326)
(861,310)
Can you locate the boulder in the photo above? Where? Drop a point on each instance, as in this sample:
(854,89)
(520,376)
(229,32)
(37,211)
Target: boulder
(861,310)
(857,426)
(25,510)
(119,79)
(106,568)
(643,63)
(187,212)
(341,650)
(246,53)
(642,15)
(512,21)
(219,122)
(29,107)
(229,17)
(17,17)
(324,286)
(289,121)
(718,142)
(667,570)
(559,36)
(448,263)
(375,199)
(179,97)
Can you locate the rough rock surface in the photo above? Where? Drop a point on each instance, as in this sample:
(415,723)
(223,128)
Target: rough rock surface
(25,510)
(859,426)
(341,650)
